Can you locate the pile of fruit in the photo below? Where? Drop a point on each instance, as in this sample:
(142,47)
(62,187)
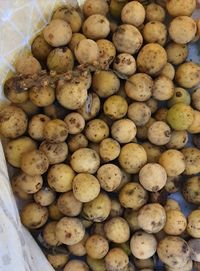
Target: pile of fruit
(98,129)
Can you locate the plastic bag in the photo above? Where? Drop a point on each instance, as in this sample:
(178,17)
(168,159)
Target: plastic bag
(20,21)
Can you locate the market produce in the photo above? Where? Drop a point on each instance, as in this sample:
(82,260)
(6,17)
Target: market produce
(57,33)
(139,113)
(96,27)
(28,184)
(79,249)
(176,222)
(45,196)
(68,205)
(133,196)
(87,51)
(99,136)
(97,247)
(143,245)
(60,60)
(176,29)
(127,39)
(107,53)
(178,248)
(117,230)
(125,64)
(176,53)
(15,149)
(27,65)
(155,31)
(133,13)
(55,152)
(155,12)
(139,87)
(36,126)
(152,217)
(168,71)
(71,15)
(91,7)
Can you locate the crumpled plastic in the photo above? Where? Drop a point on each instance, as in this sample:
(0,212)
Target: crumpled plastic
(20,21)
(18,249)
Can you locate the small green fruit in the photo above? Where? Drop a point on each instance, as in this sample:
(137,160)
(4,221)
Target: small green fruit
(180,116)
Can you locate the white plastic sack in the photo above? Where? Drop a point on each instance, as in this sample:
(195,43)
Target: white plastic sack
(20,21)
(18,250)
